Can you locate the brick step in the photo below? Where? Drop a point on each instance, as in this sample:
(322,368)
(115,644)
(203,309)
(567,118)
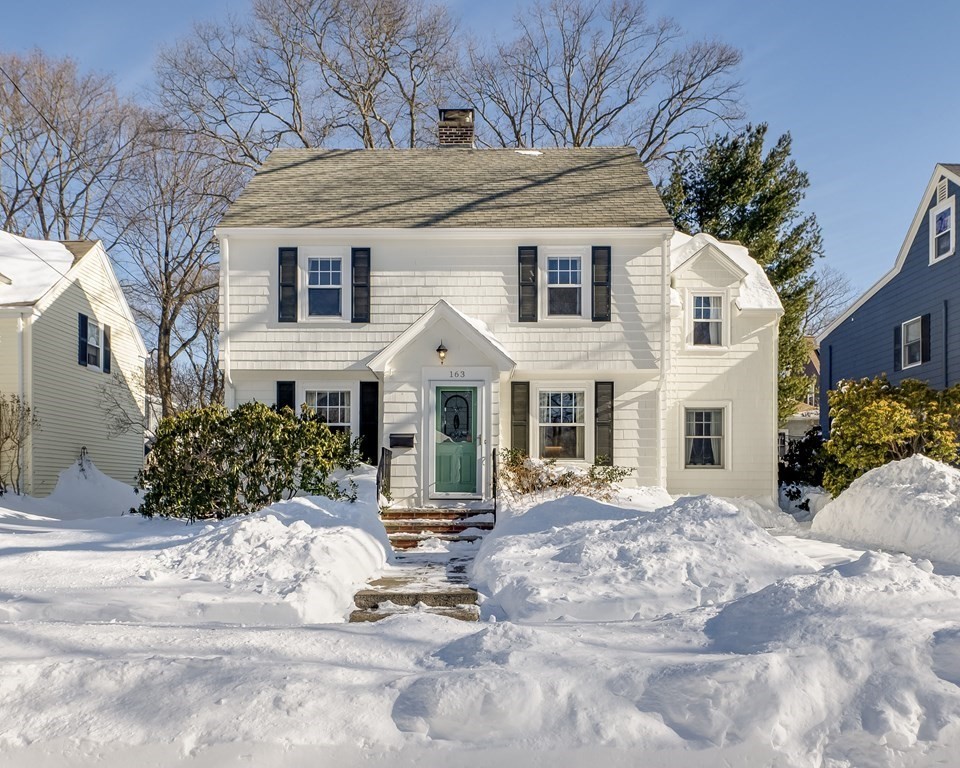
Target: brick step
(452,597)
(399,513)
(434,526)
(410,540)
(468,613)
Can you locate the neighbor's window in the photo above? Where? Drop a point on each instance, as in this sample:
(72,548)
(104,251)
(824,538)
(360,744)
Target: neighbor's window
(703,437)
(912,349)
(564,285)
(93,344)
(323,287)
(331,407)
(707,320)
(942,232)
(561,424)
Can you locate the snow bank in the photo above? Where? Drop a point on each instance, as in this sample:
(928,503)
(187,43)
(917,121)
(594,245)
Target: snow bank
(908,506)
(810,501)
(312,553)
(576,558)
(83,491)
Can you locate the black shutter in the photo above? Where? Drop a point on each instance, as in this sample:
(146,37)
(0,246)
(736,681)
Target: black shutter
(601,283)
(898,348)
(925,339)
(287,395)
(528,283)
(360,268)
(369,422)
(288,285)
(520,416)
(82,341)
(603,444)
(106,349)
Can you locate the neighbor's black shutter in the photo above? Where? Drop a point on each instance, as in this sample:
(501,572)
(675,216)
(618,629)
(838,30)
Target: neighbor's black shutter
(601,283)
(287,395)
(897,347)
(520,416)
(528,283)
(370,421)
(106,349)
(925,339)
(360,260)
(288,285)
(603,445)
(82,341)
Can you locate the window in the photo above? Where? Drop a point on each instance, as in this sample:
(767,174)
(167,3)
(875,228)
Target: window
(331,406)
(703,437)
(561,424)
(708,320)
(93,344)
(943,237)
(912,349)
(564,286)
(323,287)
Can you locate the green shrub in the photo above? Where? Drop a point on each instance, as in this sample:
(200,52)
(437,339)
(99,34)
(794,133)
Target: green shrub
(211,463)
(520,475)
(875,422)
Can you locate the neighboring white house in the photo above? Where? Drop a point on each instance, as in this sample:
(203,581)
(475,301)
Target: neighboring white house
(70,349)
(444,303)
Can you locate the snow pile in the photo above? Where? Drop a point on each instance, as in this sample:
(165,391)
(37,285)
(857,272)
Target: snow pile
(857,665)
(84,492)
(312,553)
(577,558)
(765,517)
(908,506)
(810,499)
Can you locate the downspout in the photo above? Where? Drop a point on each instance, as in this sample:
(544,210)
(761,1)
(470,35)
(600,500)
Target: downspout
(230,393)
(665,331)
(21,359)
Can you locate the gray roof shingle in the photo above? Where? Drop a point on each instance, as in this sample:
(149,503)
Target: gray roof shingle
(496,188)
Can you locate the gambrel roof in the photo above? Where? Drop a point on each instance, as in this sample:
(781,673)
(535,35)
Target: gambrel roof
(413,188)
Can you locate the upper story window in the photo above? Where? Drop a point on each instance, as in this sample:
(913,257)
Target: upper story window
(93,344)
(707,320)
(912,348)
(324,278)
(564,286)
(943,235)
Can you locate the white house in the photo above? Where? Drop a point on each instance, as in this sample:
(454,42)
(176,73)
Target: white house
(69,348)
(444,303)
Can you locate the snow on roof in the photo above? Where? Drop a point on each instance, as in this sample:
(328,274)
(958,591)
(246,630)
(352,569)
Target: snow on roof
(32,268)
(755,289)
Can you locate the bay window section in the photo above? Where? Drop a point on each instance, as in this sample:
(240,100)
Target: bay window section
(703,437)
(562,425)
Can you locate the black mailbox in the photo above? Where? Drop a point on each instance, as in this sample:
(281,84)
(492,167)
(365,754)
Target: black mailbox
(402,440)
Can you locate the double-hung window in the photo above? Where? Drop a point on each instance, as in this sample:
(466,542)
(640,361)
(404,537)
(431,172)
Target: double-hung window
(324,279)
(564,286)
(703,437)
(93,344)
(330,406)
(708,321)
(912,348)
(562,425)
(943,236)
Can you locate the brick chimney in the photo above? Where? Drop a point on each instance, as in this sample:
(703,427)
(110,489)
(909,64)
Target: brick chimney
(455,128)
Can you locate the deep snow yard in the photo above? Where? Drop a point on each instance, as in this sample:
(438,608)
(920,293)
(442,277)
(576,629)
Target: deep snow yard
(640,632)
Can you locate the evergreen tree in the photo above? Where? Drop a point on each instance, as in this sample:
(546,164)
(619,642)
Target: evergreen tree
(733,191)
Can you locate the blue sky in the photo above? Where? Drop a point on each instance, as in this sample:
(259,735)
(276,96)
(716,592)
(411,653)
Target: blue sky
(862,87)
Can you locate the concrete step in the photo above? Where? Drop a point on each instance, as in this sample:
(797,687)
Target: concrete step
(468,613)
(411,540)
(449,597)
(434,526)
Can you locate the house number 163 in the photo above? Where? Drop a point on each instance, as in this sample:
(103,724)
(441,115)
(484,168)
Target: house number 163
(458,374)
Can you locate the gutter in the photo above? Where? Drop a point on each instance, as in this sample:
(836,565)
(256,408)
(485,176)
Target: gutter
(225,331)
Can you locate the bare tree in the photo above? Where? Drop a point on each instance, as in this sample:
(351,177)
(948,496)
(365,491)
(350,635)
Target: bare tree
(65,142)
(831,294)
(180,190)
(17,421)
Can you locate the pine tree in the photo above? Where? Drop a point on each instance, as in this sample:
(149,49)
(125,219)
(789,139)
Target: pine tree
(732,191)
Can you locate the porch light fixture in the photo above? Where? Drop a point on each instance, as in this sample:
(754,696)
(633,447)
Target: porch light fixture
(442,352)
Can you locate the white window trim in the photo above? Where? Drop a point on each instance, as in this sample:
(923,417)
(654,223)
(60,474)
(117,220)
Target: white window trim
(903,343)
(351,386)
(303,283)
(92,323)
(725,321)
(589,417)
(581,252)
(726,440)
(949,204)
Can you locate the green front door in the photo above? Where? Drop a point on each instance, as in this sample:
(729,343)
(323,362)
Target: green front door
(456,440)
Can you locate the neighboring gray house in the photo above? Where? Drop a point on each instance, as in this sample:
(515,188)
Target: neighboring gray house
(907,325)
